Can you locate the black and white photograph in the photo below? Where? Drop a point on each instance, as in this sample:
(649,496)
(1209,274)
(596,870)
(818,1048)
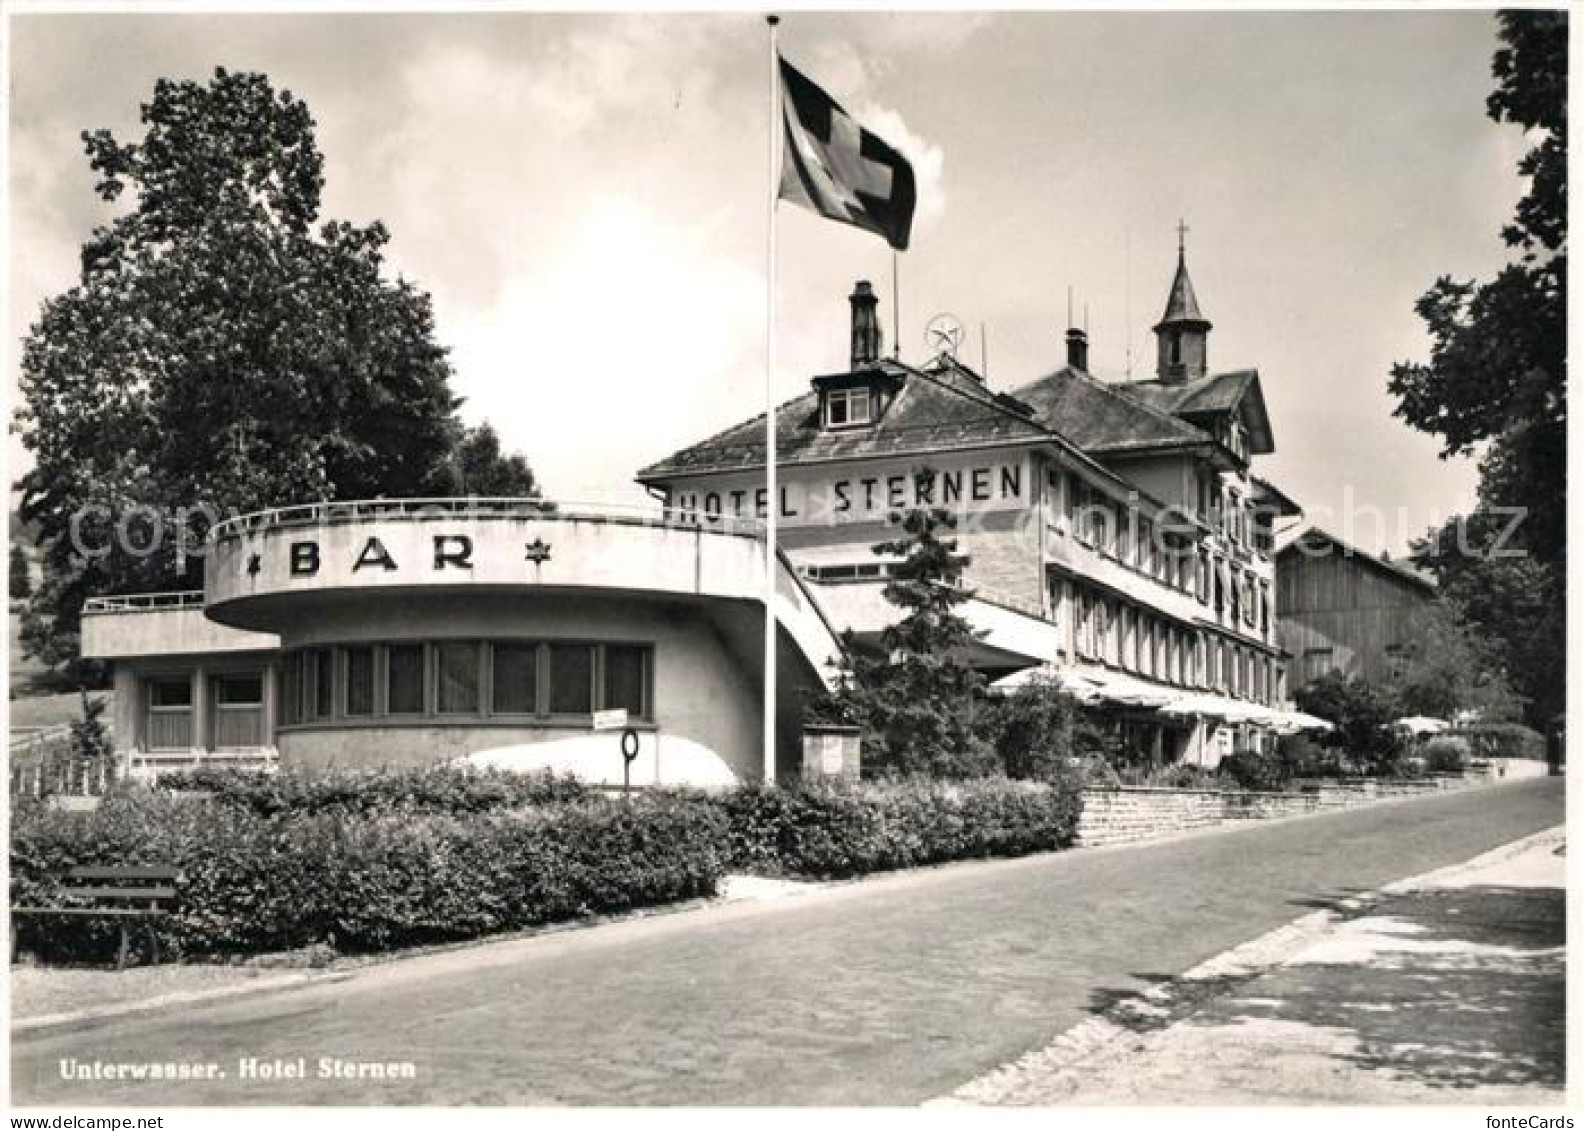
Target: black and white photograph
(927,560)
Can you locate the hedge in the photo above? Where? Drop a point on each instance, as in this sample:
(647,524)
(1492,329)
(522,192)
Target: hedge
(364,881)
(835,829)
(440,789)
(378,861)
(1502,740)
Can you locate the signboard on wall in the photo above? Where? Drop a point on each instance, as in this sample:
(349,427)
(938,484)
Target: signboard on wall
(866,492)
(614,719)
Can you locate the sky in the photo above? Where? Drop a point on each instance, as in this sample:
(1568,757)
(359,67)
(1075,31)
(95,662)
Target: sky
(584,196)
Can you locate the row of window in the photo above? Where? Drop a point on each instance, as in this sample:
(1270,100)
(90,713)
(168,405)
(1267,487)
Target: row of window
(466,679)
(1119,633)
(235,720)
(1105,525)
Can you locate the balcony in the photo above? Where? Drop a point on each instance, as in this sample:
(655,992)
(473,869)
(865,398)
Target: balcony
(160,624)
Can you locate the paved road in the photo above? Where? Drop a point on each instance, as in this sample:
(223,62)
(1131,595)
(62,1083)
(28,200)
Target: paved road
(1472,965)
(890,991)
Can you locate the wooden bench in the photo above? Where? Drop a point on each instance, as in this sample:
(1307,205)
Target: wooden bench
(130,896)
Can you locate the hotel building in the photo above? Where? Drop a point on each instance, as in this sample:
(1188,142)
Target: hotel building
(1117,536)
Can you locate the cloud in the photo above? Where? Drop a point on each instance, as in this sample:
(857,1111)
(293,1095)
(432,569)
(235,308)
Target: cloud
(496,144)
(622,302)
(855,77)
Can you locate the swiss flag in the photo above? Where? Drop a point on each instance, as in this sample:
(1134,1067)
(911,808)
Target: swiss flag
(835,167)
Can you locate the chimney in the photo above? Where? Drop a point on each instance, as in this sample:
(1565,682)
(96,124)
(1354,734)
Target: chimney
(866,342)
(1078,350)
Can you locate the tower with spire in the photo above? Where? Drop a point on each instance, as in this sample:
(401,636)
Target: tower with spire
(1182,334)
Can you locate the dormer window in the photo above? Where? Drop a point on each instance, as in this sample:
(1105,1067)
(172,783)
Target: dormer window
(845,408)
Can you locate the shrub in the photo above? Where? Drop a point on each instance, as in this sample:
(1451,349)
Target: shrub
(437,788)
(1179,775)
(1095,772)
(1033,729)
(1363,715)
(1502,740)
(1306,758)
(365,862)
(1263,773)
(846,829)
(366,879)
(1445,754)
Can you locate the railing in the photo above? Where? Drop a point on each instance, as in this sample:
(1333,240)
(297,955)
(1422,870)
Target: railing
(147,765)
(41,762)
(145,602)
(327,514)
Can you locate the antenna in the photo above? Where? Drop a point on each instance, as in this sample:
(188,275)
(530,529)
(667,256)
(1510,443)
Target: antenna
(984,353)
(1127,296)
(1069,307)
(1086,319)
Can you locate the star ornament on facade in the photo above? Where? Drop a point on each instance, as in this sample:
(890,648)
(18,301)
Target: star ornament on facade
(538,552)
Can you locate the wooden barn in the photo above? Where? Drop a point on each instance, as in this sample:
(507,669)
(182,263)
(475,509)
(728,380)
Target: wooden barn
(1339,608)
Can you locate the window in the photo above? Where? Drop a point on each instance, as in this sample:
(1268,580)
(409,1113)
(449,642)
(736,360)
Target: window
(321,702)
(451,679)
(168,693)
(571,679)
(847,407)
(359,682)
(291,688)
(626,681)
(457,667)
(239,711)
(239,691)
(404,679)
(170,715)
(515,689)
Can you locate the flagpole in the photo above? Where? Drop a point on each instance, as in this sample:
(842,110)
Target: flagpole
(772,497)
(896,310)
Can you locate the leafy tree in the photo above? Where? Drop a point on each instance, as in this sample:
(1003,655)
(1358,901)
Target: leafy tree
(916,696)
(21,579)
(220,353)
(1452,669)
(1511,601)
(1039,732)
(479,467)
(1497,370)
(1362,714)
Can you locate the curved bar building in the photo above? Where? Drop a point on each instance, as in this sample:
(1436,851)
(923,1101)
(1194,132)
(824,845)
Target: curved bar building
(388,633)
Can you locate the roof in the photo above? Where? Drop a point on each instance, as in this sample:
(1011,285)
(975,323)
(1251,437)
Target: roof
(1181,304)
(1400,572)
(937,410)
(1218,393)
(1104,419)
(1285,503)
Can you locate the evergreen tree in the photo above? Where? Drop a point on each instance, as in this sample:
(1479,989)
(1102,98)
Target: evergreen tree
(915,697)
